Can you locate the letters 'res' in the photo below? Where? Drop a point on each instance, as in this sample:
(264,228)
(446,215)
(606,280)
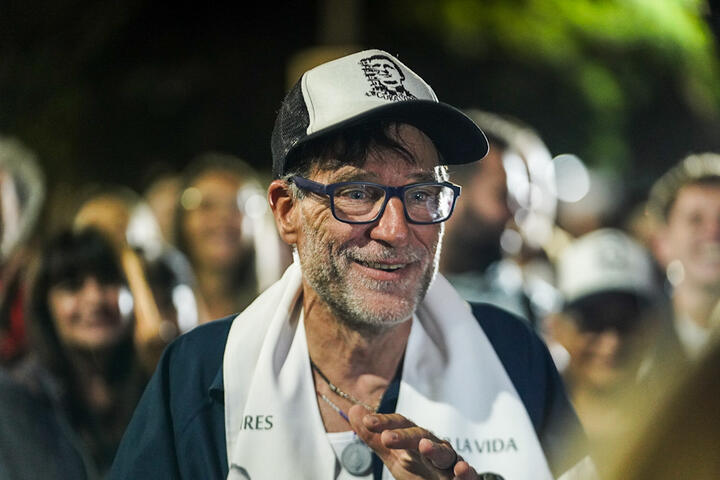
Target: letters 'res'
(257,422)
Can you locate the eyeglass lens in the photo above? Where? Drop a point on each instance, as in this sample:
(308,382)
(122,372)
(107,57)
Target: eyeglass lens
(359,202)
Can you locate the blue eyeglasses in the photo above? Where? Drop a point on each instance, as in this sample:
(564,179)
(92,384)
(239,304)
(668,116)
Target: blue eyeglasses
(364,202)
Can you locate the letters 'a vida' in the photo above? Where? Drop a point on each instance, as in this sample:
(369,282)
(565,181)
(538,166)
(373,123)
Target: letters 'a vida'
(483,446)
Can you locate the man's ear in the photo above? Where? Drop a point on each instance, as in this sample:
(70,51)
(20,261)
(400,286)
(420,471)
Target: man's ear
(284,210)
(661,246)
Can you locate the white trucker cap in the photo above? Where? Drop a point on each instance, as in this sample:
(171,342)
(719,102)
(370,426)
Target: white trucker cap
(365,86)
(602,261)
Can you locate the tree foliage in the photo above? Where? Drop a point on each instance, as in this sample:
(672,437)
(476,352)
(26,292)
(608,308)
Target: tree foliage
(617,62)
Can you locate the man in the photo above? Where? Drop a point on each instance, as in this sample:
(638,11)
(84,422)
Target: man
(23,185)
(609,329)
(486,205)
(503,259)
(686,201)
(493,261)
(320,376)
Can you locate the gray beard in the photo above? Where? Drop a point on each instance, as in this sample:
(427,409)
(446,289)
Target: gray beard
(324,275)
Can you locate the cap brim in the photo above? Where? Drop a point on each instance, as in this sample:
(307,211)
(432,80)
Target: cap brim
(458,139)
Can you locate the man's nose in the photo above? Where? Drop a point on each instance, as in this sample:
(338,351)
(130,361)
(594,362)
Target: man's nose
(608,342)
(713,228)
(392,227)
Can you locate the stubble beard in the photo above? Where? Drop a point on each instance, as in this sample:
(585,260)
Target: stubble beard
(325,266)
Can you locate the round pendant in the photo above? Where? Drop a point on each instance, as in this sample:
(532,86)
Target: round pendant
(490,476)
(356,458)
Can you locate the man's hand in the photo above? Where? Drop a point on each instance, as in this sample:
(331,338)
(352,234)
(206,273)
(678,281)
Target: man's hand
(409,451)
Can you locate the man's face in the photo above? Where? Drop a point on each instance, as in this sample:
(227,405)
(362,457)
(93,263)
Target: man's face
(692,235)
(213,227)
(487,194)
(371,276)
(386,73)
(606,340)
(484,205)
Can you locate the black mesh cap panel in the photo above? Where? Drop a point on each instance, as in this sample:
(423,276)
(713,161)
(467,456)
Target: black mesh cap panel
(290,127)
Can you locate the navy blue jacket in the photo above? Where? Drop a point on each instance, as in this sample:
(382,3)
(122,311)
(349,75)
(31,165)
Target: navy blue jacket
(178,430)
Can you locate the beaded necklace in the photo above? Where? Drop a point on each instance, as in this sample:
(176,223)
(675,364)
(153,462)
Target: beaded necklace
(340,393)
(356,457)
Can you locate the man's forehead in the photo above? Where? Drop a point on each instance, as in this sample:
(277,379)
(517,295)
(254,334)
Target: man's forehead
(376,170)
(414,151)
(406,147)
(698,191)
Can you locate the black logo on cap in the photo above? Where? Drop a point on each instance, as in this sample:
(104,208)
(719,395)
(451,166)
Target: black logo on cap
(386,79)
(615,254)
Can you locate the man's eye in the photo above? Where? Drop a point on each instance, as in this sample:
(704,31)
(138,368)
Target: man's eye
(358,193)
(423,195)
(420,196)
(695,219)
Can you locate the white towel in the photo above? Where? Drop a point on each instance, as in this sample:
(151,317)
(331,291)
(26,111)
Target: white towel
(452,384)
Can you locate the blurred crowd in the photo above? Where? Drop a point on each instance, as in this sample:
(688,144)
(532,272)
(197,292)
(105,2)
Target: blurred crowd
(88,306)
(625,296)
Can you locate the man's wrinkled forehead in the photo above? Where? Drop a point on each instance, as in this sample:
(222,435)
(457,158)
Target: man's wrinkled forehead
(401,141)
(413,173)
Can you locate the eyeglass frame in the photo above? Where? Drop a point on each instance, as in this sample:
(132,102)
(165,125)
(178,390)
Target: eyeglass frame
(390,192)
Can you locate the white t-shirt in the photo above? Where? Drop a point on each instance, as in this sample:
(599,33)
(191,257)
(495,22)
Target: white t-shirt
(692,336)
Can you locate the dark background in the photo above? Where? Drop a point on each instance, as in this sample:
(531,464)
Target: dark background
(117,92)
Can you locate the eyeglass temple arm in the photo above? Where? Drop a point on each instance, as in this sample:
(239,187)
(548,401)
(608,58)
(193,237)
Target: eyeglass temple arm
(306,184)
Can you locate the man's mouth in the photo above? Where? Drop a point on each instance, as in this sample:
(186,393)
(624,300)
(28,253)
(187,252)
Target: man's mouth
(386,267)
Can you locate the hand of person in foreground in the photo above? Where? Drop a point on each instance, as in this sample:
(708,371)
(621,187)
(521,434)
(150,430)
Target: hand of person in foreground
(408,451)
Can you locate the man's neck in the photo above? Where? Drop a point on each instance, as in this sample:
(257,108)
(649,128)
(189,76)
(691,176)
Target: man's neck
(349,353)
(215,281)
(360,365)
(696,304)
(217,293)
(359,361)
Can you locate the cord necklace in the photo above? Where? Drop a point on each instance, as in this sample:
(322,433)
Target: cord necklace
(340,393)
(356,457)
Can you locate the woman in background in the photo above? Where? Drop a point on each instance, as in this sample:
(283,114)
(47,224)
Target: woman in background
(158,275)
(224,229)
(83,379)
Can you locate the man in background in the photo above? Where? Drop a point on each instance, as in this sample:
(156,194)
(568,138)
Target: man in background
(492,254)
(686,202)
(610,332)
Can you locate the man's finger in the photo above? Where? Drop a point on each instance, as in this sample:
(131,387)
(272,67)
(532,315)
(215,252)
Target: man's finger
(404,438)
(463,471)
(440,454)
(357,414)
(378,422)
